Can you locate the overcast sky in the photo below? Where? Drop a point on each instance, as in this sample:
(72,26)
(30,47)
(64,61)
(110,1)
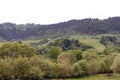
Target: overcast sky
(54,11)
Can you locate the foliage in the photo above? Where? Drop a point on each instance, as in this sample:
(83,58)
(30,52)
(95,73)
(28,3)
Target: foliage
(21,67)
(78,54)
(89,56)
(105,40)
(67,44)
(20,61)
(67,58)
(109,61)
(6,68)
(15,49)
(116,64)
(48,68)
(10,31)
(65,70)
(53,52)
(111,42)
(97,67)
(77,70)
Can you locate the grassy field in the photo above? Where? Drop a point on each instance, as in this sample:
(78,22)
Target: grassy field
(99,77)
(95,43)
(90,40)
(30,41)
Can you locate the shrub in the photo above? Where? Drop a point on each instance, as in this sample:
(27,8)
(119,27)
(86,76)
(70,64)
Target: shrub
(67,57)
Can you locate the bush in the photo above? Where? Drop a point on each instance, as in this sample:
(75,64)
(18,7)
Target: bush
(53,52)
(78,54)
(116,65)
(85,66)
(15,50)
(48,69)
(78,72)
(34,74)
(65,70)
(67,57)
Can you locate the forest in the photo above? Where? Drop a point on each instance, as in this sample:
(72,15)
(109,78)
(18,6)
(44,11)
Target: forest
(76,49)
(10,31)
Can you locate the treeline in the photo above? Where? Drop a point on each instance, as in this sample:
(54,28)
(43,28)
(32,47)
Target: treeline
(20,61)
(10,31)
(65,44)
(112,43)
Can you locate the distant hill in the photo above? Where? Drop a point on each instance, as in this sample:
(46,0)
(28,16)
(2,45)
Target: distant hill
(10,31)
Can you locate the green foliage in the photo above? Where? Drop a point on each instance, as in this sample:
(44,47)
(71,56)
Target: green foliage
(116,64)
(65,70)
(15,49)
(109,61)
(89,56)
(67,57)
(78,54)
(85,67)
(27,68)
(20,61)
(97,67)
(48,68)
(67,44)
(112,44)
(105,40)
(100,63)
(53,52)
(6,68)
(10,31)
(21,67)
(34,74)
(78,72)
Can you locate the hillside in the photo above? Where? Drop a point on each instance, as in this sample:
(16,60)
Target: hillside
(10,31)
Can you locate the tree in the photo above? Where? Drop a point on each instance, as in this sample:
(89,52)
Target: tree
(77,70)
(48,69)
(105,40)
(6,68)
(66,57)
(85,67)
(34,74)
(15,49)
(26,51)
(67,44)
(89,56)
(53,52)
(21,67)
(65,70)
(116,64)
(78,54)
(97,67)
(108,59)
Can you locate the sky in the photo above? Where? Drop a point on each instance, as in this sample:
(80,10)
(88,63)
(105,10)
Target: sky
(54,11)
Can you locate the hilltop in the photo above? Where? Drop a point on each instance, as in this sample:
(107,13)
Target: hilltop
(89,26)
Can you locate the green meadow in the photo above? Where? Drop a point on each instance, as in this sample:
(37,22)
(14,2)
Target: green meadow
(99,77)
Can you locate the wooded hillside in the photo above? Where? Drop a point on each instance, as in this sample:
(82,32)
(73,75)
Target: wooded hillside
(10,31)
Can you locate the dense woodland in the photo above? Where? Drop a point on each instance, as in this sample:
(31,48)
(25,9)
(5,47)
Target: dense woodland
(62,58)
(67,59)
(54,53)
(10,31)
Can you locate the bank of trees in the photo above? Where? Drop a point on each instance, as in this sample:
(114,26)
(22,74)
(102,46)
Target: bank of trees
(111,43)
(10,31)
(20,61)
